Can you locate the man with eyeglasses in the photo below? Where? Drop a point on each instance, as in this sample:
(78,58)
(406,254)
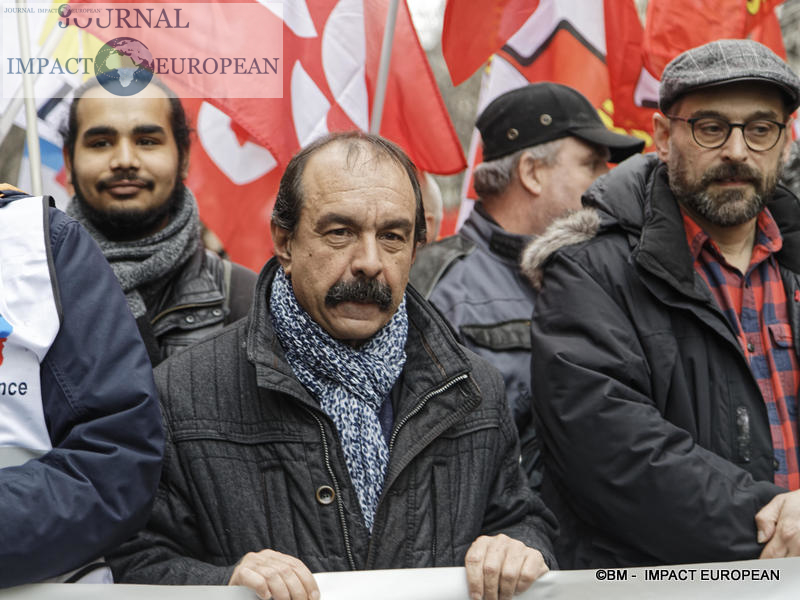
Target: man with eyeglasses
(668,327)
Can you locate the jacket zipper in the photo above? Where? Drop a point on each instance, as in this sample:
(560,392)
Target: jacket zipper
(420,405)
(340,505)
(339,502)
(743,433)
(443,388)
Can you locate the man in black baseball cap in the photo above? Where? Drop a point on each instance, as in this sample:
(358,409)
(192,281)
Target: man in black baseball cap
(543,145)
(544,112)
(668,327)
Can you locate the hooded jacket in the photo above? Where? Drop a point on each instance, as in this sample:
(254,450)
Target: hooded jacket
(66,507)
(252,462)
(657,443)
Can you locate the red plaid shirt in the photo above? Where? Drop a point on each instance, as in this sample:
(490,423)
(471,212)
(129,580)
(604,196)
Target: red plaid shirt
(755,305)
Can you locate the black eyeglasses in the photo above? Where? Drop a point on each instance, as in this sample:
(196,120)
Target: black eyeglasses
(760,135)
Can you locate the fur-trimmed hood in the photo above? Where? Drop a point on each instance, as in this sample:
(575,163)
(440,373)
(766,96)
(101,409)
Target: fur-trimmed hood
(575,228)
(617,199)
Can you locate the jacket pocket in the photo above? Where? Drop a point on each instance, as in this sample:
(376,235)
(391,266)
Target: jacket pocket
(782,341)
(442,538)
(509,335)
(464,467)
(243,478)
(781,335)
(279,514)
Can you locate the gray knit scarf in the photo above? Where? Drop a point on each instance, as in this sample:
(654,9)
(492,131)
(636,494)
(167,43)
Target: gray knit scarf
(350,384)
(150,260)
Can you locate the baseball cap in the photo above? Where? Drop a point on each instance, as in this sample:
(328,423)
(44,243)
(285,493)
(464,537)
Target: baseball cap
(722,62)
(543,112)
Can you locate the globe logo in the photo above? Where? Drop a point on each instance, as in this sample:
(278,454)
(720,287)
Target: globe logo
(64,11)
(124,66)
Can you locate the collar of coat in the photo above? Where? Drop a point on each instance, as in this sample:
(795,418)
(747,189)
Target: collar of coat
(433,354)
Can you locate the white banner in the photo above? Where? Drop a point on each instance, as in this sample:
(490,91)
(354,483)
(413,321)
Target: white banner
(777,579)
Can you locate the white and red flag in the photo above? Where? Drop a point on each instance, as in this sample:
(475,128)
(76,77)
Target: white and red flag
(593,46)
(473,31)
(329,68)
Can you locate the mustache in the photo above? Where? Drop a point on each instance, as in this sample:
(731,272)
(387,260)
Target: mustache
(360,290)
(127,175)
(738,171)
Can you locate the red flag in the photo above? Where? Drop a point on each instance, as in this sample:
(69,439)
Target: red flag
(769,33)
(473,31)
(320,94)
(673,26)
(329,67)
(633,89)
(234,181)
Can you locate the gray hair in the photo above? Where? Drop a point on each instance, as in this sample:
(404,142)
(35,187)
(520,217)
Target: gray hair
(493,177)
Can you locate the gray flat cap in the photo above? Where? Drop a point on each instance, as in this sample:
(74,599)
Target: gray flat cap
(726,61)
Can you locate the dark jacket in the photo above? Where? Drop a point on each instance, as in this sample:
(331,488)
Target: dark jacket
(94,489)
(252,462)
(657,444)
(206,294)
(474,279)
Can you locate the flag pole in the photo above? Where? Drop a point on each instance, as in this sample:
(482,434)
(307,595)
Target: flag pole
(383,70)
(31,130)
(7,118)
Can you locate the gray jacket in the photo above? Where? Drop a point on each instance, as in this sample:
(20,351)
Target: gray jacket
(252,462)
(474,279)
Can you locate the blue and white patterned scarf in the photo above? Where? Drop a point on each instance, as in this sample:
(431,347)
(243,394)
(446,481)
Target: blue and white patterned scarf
(350,384)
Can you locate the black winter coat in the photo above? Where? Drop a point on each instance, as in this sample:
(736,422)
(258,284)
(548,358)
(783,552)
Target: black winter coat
(658,447)
(252,462)
(204,295)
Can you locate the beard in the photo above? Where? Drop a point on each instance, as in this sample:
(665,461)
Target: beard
(725,207)
(123,224)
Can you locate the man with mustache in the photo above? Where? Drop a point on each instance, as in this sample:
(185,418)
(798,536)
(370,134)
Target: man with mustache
(341,426)
(126,158)
(668,327)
